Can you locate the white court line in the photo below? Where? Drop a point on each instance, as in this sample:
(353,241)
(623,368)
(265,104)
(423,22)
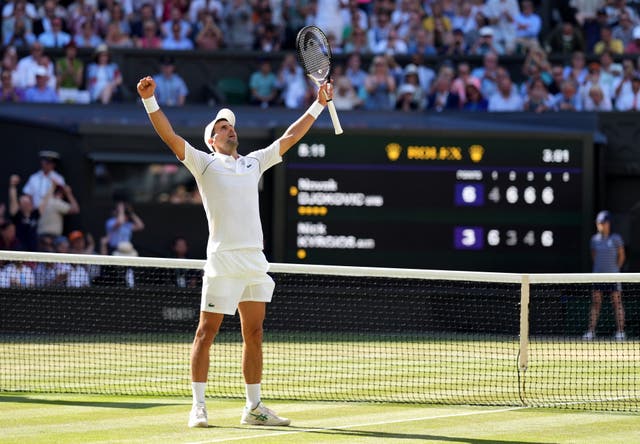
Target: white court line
(350,426)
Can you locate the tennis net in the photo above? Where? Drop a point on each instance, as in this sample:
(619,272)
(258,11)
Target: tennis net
(119,325)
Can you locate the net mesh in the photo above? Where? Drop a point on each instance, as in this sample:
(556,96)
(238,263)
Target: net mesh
(331,333)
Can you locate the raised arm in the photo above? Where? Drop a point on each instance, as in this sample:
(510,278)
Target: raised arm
(300,127)
(146,88)
(14,181)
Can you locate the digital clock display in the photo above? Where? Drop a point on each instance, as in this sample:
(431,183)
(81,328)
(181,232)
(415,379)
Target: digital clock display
(488,202)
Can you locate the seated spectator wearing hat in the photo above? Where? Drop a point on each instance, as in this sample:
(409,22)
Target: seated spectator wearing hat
(485,43)
(171,90)
(40,182)
(103,76)
(410,95)
(629,98)
(41,92)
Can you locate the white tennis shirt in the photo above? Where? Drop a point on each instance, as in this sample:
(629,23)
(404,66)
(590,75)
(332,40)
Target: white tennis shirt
(229,190)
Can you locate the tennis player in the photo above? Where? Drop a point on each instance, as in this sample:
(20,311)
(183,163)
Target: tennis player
(235,274)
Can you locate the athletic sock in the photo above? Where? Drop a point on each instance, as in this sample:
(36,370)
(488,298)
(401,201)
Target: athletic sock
(198,389)
(253,395)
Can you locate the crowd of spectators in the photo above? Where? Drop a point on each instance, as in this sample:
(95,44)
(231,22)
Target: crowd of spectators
(606,33)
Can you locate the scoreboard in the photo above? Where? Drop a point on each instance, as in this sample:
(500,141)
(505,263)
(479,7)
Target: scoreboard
(515,202)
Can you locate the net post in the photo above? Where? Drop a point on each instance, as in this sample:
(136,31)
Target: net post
(523,353)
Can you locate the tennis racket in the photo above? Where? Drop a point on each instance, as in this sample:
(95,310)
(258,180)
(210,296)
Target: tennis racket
(314,54)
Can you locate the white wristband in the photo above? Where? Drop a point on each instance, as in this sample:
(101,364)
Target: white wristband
(150,104)
(315,109)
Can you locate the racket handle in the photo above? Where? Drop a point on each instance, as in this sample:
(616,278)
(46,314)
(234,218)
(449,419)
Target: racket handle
(334,117)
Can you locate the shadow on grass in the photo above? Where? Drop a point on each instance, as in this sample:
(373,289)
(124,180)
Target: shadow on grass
(73,402)
(420,436)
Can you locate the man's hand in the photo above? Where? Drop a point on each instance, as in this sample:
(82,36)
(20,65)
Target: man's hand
(146,87)
(14,180)
(325,93)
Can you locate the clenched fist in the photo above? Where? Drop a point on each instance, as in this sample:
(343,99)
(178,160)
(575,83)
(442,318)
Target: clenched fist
(146,87)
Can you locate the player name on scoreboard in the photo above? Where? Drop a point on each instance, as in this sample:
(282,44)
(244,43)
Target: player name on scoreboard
(392,201)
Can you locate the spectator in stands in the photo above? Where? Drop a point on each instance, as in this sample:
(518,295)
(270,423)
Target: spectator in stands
(608,255)
(464,19)
(487,74)
(577,69)
(239,26)
(345,97)
(460,82)
(411,96)
(183,278)
(608,43)
(458,45)
(622,84)
(528,25)
(565,39)
(474,101)
(209,36)
(629,99)
(623,31)
(263,85)
(538,99)
(81,243)
(442,98)
(485,43)
(592,28)
(597,100)
(506,98)
(393,45)
(568,98)
(126,249)
(56,37)
(40,182)
(56,204)
(426,75)
(379,85)
(116,38)
(24,216)
(268,39)
(103,76)
(121,226)
(292,83)
(8,238)
(8,9)
(176,17)
(502,16)
(144,15)
(212,8)
(88,36)
(49,10)
(595,78)
(9,93)
(380,28)
(16,275)
(357,43)
(10,64)
(70,69)
(18,28)
(149,38)
(633,47)
(171,90)
(25,70)
(176,40)
(41,92)
(354,71)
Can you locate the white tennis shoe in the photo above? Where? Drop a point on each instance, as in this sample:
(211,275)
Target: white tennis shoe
(588,336)
(198,416)
(261,415)
(620,336)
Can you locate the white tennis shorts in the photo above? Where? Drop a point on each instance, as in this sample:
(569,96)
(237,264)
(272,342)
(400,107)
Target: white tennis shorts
(235,276)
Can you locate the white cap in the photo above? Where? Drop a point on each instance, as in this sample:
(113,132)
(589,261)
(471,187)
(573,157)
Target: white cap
(486,31)
(224,113)
(41,71)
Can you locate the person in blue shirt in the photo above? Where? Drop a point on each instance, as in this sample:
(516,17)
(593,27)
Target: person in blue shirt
(171,90)
(41,92)
(607,252)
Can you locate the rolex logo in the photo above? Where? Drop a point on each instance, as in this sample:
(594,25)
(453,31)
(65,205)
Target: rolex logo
(476,152)
(393,151)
